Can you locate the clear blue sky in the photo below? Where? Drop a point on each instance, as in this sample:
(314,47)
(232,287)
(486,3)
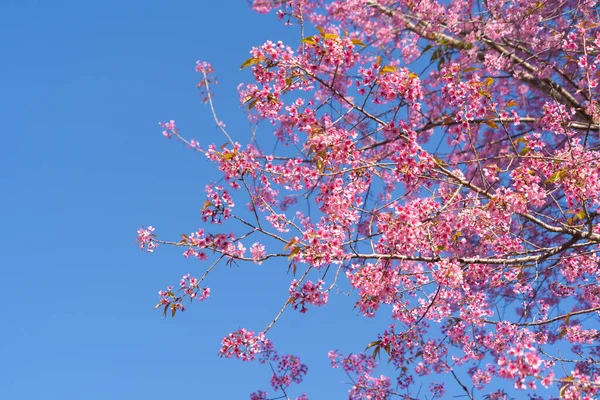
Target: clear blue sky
(83,165)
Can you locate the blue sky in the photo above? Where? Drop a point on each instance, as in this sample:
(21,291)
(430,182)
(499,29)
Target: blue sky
(83,165)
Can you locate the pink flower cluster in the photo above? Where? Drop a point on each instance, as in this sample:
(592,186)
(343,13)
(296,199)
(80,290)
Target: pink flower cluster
(191,289)
(289,370)
(206,70)
(390,83)
(360,367)
(292,175)
(218,205)
(244,345)
(581,386)
(220,242)
(325,244)
(257,251)
(521,363)
(333,50)
(308,293)
(270,63)
(377,283)
(146,239)
(170,129)
(234,163)
(437,389)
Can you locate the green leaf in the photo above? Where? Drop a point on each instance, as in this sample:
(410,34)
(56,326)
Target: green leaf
(184,237)
(290,244)
(374,343)
(556,176)
(249,62)
(388,349)
(590,25)
(294,251)
(388,68)
(252,103)
(309,40)
(491,124)
(358,42)
(440,161)
(376,352)
(321,30)
(563,332)
(488,81)
(447,120)
(441,63)
(561,391)
(456,236)
(293,267)
(227,156)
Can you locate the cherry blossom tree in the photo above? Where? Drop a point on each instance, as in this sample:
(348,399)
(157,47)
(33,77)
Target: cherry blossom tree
(442,159)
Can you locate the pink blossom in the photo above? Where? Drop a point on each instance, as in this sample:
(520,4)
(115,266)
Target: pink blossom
(258,252)
(146,239)
(308,293)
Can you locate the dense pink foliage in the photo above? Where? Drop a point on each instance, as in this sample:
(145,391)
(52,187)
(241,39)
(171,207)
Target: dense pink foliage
(450,154)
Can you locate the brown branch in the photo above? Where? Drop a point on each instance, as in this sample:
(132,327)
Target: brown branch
(546,85)
(548,321)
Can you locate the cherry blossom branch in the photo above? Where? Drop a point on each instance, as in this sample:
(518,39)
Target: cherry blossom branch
(212,107)
(287,303)
(537,221)
(467,260)
(573,124)
(462,385)
(545,84)
(550,320)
